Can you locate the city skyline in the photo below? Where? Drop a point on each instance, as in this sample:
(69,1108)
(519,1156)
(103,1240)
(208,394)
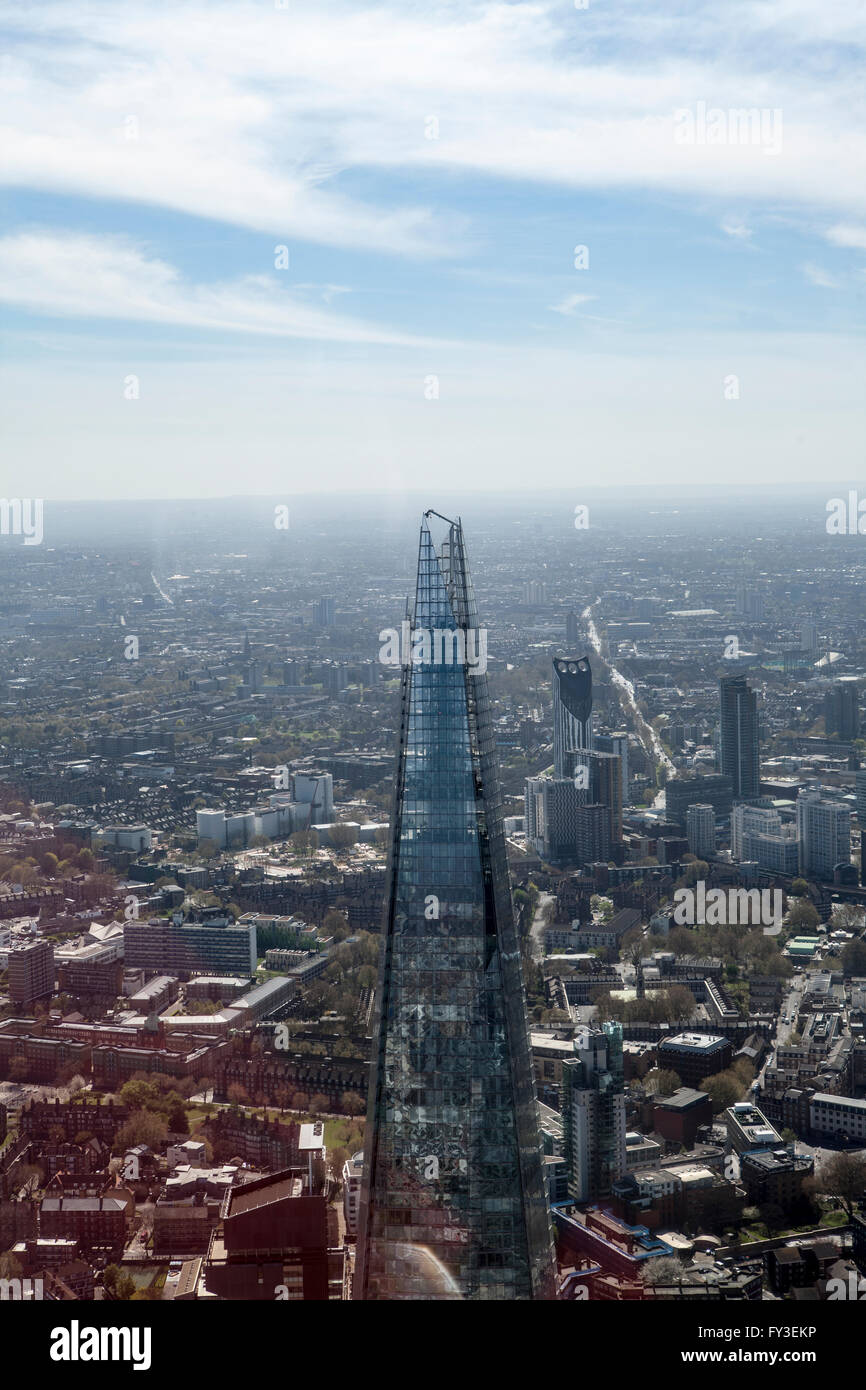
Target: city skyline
(197,778)
(371,930)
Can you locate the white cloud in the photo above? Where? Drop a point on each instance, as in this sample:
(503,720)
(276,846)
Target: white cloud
(847,236)
(571,303)
(816,275)
(249,114)
(80,276)
(737,228)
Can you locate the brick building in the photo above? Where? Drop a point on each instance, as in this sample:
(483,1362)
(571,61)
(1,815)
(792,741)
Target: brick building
(694,1056)
(274,1243)
(96,1222)
(677,1118)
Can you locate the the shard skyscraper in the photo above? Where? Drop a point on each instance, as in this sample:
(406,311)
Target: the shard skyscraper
(453,1203)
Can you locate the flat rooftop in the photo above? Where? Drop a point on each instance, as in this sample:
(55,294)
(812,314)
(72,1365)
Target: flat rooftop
(254,1195)
(683,1099)
(824,1097)
(702,1040)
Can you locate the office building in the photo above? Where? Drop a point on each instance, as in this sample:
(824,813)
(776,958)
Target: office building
(616,743)
(601,774)
(695,1056)
(747,1128)
(551,806)
(572,711)
(750,602)
(738,744)
(759,837)
(774,1176)
(842,711)
(841,1116)
(31,971)
(326,612)
(453,1202)
(88,976)
(701,831)
(592,835)
(678,1118)
(761,820)
(561,827)
(824,834)
(777,853)
(216,945)
(592,1102)
(707,789)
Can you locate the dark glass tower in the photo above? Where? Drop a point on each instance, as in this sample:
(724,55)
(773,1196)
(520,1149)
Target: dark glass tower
(572,711)
(739,750)
(842,710)
(453,1202)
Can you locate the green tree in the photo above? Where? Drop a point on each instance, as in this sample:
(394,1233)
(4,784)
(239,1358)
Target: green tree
(853,958)
(142,1127)
(138,1095)
(335,924)
(681,1001)
(603,906)
(843,1176)
(660,1082)
(175,1109)
(696,872)
(724,1090)
(846,917)
(663,1269)
(744,1070)
(803,915)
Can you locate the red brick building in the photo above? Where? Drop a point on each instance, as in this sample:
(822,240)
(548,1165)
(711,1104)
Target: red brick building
(677,1118)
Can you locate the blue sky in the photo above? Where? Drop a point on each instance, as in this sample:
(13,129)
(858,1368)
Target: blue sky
(155,155)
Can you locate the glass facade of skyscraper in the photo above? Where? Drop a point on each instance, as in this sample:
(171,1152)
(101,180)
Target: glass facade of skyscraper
(739,748)
(453,1202)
